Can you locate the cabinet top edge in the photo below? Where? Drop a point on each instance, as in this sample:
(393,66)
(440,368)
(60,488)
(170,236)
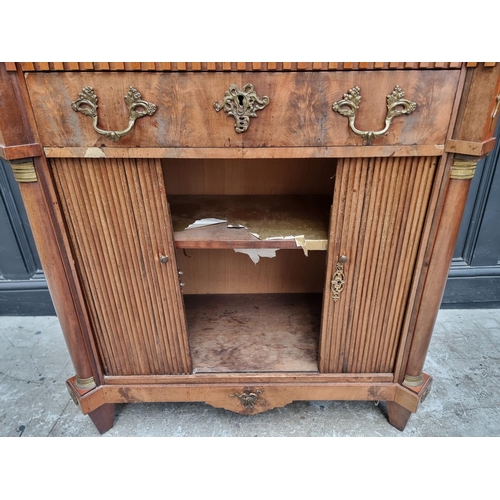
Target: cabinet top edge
(236,66)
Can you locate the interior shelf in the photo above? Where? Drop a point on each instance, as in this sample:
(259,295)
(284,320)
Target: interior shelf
(254,333)
(253,221)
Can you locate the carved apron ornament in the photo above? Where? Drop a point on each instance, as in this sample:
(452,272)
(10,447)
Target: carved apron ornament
(241,105)
(248,399)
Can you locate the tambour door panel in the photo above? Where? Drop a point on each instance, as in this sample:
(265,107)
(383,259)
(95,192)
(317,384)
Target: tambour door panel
(299,112)
(377,220)
(119,226)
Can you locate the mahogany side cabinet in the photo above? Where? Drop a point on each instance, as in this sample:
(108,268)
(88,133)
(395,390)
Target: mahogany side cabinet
(246,234)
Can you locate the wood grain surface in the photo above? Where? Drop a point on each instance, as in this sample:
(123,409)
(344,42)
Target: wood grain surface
(119,225)
(254,333)
(246,153)
(265,176)
(225,271)
(299,113)
(376,222)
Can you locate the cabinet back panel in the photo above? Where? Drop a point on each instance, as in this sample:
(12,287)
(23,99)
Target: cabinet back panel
(244,177)
(377,219)
(225,271)
(119,225)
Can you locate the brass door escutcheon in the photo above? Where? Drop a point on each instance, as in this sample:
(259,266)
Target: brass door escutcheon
(248,398)
(241,105)
(495,111)
(137,108)
(396,105)
(338,280)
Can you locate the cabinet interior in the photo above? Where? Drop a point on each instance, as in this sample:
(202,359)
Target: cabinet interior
(263,277)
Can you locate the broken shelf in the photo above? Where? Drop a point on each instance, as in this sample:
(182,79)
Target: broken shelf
(281,222)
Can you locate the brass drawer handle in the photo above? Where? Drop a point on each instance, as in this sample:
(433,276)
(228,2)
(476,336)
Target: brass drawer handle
(137,108)
(241,105)
(396,105)
(338,279)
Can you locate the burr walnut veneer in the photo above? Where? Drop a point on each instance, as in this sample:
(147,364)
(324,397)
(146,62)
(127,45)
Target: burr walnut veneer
(246,234)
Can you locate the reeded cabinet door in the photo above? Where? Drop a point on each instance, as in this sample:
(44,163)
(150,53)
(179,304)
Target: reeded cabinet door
(119,226)
(378,213)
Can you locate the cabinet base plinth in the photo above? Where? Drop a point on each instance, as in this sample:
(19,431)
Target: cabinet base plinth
(252,395)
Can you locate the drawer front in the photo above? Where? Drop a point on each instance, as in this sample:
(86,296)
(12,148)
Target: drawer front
(299,112)
(184,117)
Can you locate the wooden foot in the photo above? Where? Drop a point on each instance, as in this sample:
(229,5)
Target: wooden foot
(103,417)
(398,415)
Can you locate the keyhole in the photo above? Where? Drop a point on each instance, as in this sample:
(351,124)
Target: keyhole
(240,99)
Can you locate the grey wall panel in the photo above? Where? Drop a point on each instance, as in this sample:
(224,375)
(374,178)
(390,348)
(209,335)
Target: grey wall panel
(23,289)
(474,278)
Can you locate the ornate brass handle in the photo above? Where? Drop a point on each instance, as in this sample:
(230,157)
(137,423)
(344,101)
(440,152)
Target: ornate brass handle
(338,279)
(396,105)
(241,105)
(137,108)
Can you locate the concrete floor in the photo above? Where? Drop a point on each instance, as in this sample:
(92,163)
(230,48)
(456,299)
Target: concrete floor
(464,400)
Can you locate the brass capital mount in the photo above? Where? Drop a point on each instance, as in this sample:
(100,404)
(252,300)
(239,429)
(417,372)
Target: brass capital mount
(85,383)
(24,171)
(463,169)
(413,381)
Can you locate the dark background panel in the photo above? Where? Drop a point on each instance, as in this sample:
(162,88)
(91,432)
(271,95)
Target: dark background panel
(23,289)
(474,277)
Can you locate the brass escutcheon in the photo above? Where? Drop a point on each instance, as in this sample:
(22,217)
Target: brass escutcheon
(73,397)
(495,112)
(241,105)
(338,279)
(426,393)
(137,108)
(248,398)
(396,105)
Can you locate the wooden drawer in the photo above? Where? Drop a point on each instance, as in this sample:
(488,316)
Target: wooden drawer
(185,116)
(299,112)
